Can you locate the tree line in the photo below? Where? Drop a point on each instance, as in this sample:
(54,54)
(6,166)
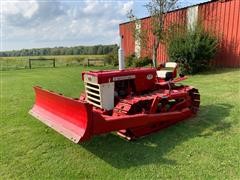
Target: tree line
(76,50)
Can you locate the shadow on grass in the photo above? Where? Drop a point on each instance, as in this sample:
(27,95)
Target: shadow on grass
(151,150)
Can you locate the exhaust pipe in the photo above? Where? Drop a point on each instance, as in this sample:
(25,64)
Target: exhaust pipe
(121,62)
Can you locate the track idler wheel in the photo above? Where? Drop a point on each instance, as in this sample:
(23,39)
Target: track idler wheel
(195,99)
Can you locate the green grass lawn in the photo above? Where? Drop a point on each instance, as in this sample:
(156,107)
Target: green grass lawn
(204,147)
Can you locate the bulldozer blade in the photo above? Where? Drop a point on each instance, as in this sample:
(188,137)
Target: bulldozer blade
(70,117)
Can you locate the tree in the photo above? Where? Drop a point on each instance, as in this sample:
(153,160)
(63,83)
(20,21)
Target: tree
(157,9)
(100,50)
(77,50)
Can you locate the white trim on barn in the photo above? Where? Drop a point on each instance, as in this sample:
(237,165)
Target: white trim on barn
(137,39)
(192,17)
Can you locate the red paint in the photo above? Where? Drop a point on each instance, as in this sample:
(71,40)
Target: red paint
(139,76)
(62,114)
(128,42)
(135,115)
(220,17)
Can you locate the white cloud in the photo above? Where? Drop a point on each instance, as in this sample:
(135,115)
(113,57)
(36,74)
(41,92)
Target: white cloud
(126,7)
(24,8)
(91,7)
(56,23)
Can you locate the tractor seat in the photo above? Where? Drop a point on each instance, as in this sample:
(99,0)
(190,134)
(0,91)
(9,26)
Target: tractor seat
(163,73)
(168,68)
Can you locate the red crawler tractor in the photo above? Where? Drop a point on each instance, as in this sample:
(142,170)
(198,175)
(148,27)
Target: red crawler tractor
(133,102)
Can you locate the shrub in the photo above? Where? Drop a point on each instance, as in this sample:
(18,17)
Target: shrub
(133,61)
(130,60)
(112,58)
(141,62)
(193,49)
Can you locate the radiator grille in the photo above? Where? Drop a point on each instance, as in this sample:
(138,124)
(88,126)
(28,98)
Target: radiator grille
(93,94)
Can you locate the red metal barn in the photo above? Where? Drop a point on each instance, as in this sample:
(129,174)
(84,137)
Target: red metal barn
(222,17)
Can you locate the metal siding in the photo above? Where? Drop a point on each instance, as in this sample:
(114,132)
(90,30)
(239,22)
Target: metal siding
(146,50)
(237,36)
(128,42)
(172,18)
(220,18)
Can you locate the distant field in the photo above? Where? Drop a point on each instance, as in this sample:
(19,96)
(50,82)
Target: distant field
(204,147)
(21,62)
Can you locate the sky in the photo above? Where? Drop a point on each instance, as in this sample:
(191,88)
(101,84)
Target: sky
(53,23)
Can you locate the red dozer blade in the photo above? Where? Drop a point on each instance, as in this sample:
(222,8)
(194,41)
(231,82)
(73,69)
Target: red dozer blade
(70,117)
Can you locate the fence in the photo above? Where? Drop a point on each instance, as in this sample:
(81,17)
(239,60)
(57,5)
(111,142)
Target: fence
(96,61)
(41,59)
(22,62)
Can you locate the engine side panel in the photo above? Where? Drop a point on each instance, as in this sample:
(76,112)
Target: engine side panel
(144,78)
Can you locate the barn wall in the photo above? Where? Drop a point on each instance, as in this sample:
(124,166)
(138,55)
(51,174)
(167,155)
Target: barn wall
(128,41)
(220,17)
(223,19)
